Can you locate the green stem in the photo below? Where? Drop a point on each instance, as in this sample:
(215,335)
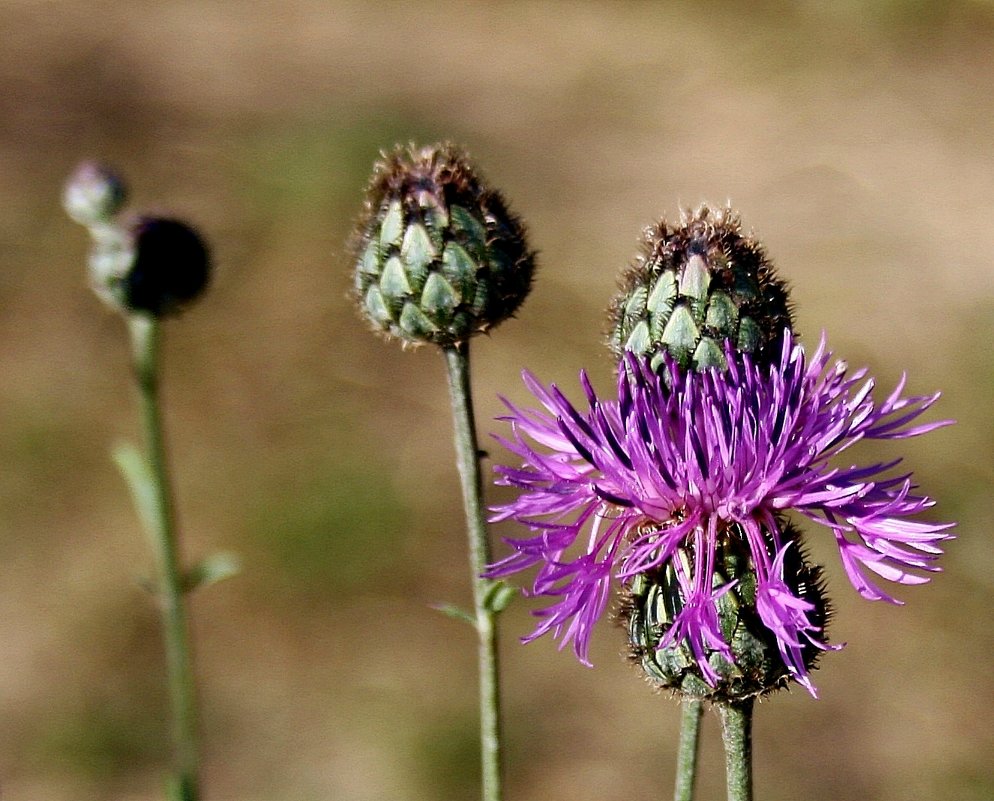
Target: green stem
(468,462)
(686,760)
(145,339)
(736,732)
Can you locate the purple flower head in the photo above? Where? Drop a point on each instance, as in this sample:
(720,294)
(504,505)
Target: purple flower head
(663,476)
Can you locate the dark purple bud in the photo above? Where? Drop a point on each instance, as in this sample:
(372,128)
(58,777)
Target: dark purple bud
(171,267)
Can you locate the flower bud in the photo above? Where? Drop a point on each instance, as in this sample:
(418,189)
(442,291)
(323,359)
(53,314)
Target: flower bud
(695,286)
(93,194)
(438,255)
(152,265)
(651,602)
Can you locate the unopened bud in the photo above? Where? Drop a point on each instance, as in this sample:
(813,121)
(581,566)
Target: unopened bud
(695,286)
(93,195)
(438,255)
(152,265)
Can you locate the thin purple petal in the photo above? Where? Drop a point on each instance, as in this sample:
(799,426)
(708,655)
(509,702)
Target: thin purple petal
(616,487)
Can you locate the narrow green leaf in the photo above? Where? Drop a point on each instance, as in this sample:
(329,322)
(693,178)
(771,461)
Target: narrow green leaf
(138,476)
(455,612)
(210,570)
(499,596)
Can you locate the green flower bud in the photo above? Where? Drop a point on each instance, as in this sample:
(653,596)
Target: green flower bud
(438,255)
(695,286)
(652,601)
(93,194)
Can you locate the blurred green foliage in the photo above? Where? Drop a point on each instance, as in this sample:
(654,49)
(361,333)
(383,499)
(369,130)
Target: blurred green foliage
(332,531)
(446,757)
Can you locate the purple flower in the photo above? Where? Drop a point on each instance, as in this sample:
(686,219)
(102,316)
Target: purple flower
(681,460)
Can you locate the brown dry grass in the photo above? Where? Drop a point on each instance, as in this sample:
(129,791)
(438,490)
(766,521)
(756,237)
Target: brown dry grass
(858,145)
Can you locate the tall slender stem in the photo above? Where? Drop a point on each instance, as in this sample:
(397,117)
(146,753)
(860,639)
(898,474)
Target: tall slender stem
(686,759)
(736,732)
(468,462)
(145,340)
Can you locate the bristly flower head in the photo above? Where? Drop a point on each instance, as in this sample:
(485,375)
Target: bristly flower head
(687,471)
(696,285)
(438,255)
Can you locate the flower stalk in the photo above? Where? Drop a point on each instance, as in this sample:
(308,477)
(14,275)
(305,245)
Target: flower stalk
(148,268)
(692,710)
(161,523)
(440,258)
(485,614)
(736,734)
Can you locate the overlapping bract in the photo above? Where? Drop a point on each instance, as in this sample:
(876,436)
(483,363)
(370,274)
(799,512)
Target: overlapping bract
(683,458)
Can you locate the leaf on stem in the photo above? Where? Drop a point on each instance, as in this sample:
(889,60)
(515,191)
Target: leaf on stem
(210,570)
(138,476)
(499,596)
(456,613)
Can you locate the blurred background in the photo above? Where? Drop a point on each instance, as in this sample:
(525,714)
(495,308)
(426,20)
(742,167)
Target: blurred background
(857,141)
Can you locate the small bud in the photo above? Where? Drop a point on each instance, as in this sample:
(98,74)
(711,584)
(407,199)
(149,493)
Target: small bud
(695,286)
(152,265)
(651,602)
(438,255)
(93,195)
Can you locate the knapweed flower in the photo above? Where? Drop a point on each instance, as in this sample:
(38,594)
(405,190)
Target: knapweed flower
(685,481)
